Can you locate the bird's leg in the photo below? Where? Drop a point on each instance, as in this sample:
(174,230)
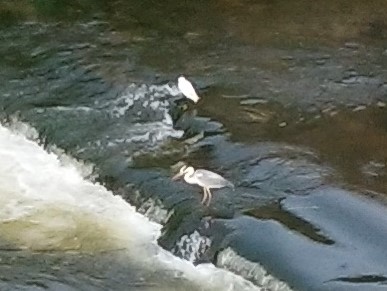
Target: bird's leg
(204,195)
(209,196)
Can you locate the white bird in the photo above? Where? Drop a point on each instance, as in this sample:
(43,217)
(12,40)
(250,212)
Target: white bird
(187,89)
(205,179)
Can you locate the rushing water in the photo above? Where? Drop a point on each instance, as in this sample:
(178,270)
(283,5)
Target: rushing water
(93,126)
(51,214)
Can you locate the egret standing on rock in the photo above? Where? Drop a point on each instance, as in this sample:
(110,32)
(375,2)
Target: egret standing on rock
(205,179)
(187,89)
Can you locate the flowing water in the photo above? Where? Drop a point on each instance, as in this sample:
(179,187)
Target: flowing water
(62,231)
(93,126)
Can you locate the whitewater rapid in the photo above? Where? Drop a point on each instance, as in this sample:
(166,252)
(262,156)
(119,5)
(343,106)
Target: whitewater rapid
(48,205)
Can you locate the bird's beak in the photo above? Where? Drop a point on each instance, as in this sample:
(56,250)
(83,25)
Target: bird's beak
(177,176)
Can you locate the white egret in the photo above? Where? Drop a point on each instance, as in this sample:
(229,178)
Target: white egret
(187,89)
(205,179)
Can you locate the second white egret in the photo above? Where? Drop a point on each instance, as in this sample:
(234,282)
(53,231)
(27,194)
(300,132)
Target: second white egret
(187,89)
(205,179)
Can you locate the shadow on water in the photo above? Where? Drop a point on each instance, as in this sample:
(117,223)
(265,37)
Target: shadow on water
(274,212)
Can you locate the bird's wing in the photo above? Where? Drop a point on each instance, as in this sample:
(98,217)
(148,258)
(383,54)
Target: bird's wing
(209,174)
(211,178)
(187,88)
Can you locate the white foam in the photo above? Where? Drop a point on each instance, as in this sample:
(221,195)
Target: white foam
(86,170)
(252,271)
(49,205)
(152,132)
(71,108)
(149,95)
(155,211)
(154,105)
(38,190)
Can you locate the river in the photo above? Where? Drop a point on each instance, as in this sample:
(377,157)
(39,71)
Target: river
(93,126)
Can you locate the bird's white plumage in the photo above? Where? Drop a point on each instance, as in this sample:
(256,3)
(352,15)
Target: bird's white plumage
(187,89)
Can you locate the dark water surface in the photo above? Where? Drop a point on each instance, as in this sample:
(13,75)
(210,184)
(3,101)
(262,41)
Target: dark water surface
(293,111)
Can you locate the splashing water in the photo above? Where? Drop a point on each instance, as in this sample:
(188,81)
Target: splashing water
(48,205)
